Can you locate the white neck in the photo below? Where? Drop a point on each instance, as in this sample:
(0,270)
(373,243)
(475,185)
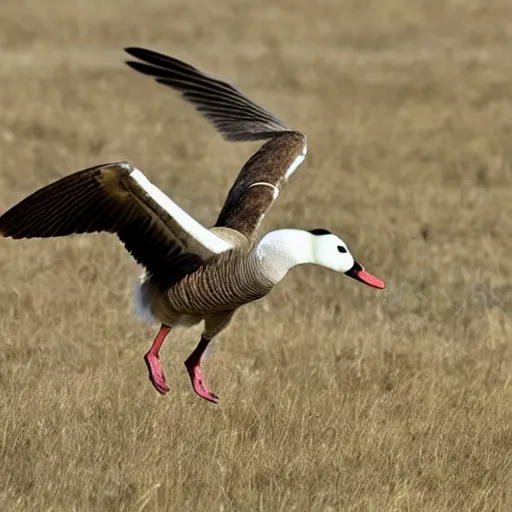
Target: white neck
(281,250)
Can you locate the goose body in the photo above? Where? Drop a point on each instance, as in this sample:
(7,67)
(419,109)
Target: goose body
(191,273)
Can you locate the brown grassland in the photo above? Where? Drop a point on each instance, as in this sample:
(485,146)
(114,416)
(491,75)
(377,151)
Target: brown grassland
(333,396)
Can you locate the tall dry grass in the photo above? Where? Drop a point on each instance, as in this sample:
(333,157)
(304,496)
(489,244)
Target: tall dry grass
(333,396)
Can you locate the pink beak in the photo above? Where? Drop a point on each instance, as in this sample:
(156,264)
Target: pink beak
(359,273)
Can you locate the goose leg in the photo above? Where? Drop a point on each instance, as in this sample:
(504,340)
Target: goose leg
(152,359)
(193,365)
(213,325)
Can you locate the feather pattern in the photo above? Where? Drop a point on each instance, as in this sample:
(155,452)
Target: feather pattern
(234,115)
(106,198)
(224,284)
(260,181)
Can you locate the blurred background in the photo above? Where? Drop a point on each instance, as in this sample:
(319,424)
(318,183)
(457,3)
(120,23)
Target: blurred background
(333,396)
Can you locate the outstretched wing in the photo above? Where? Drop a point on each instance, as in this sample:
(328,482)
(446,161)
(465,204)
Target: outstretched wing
(260,181)
(234,115)
(117,198)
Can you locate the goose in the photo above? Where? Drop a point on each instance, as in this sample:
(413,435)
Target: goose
(191,273)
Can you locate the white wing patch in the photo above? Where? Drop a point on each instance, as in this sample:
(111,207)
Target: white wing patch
(198,232)
(298,160)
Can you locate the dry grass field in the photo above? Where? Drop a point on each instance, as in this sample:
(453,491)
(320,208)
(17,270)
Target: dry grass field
(333,396)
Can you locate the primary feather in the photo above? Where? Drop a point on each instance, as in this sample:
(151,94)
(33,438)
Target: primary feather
(234,115)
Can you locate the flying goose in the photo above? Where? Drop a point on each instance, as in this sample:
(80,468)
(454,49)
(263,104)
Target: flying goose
(191,273)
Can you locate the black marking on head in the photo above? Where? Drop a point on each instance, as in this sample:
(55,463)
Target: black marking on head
(320,231)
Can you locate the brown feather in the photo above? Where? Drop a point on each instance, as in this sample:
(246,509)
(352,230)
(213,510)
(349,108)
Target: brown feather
(232,113)
(103,198)
(246,205)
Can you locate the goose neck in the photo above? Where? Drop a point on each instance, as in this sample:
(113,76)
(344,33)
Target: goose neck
(281,250)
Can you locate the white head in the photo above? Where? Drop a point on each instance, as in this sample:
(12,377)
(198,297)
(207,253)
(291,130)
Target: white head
(283,249)
(332,252)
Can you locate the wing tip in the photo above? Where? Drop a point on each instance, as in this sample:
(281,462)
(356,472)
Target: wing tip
(7,230)
(10,232)
(133,50)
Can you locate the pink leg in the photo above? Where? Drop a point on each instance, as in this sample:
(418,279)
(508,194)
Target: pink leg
(194,371)
(152,359)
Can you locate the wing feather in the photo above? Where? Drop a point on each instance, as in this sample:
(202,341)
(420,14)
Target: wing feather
(117,198)
(215,99)
(236,117)
(260,181)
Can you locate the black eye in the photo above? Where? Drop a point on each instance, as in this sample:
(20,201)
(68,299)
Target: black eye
(342,249)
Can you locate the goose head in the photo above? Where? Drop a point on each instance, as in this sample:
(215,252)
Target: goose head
(330,251)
